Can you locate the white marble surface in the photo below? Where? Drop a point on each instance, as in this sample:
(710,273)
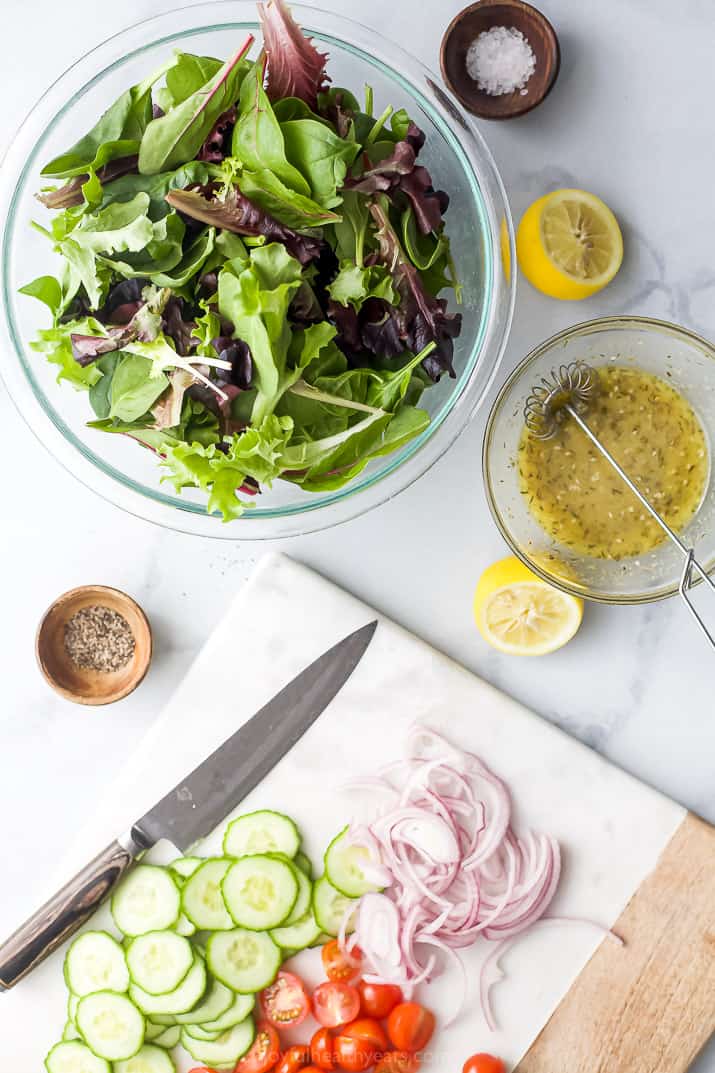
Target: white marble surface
(627,119)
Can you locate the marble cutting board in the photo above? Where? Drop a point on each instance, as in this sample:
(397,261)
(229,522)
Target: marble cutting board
(632,859)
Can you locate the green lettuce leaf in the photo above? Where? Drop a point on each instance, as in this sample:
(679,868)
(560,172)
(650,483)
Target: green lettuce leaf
(56,346)
(134,388)
(294,210)
(354,285)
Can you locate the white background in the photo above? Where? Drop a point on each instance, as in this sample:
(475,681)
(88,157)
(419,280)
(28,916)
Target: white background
(629,119)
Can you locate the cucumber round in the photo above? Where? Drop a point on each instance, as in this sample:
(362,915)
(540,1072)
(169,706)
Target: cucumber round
(184,926)
(245,961)
(169,1037)
(260,891)
(185,997)
(150,1059)
(95,962)
(70,1031)
(261,832)
(216,1001)
(303,862)
(183,867)
(237,1011)
(159,961)
(74,1057)
(224,1051)
(343,862)
(72,1004)
(297,936)
(152,1030)
(111,1025)
(201,898)
(147,900)
(197,1032)
(330,906)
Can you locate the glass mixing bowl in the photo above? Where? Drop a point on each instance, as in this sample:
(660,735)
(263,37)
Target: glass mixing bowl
(678,356)
(478,221)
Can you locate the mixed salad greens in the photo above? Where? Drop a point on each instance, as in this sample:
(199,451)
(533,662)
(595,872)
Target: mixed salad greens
(250,270)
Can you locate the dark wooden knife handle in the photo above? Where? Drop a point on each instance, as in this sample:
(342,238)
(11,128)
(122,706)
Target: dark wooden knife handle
(62,915)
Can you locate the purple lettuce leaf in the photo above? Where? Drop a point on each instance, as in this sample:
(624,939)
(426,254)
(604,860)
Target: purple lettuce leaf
(295,67)
(178,329)
(429,204)
(236,213)
(70,193)
(218,143)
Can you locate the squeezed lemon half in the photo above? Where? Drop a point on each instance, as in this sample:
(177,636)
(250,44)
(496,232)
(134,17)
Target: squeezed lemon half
(569,244)
(518,613)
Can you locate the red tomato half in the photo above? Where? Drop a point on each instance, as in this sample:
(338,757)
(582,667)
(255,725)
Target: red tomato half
(321,1050)
(285,1003)
(339,965)
(360,1045)
(410,1026)
(335,1004)
(377,1000)
(398,1062)
(294,1059)
(484,1063)
(264,1051)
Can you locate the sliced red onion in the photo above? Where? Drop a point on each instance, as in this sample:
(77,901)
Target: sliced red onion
(452,869)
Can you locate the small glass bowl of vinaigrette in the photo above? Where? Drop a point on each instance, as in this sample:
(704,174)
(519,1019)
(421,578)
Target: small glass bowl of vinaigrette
(571,520)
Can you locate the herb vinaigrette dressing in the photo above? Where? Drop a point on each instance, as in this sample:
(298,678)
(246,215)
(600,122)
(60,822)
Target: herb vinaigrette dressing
(580,500)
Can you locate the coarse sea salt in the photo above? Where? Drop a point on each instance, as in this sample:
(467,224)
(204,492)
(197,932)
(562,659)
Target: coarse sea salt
(501,60)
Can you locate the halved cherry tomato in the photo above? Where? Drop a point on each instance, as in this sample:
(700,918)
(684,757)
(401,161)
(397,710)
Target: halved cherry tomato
(484,1063)
(264,1053)
(294,1059)
(398,1062)
(335,1004)
(285,1003)
(322,1050)
(360,1045)
(339,965)
(410,1026)
(377,1000)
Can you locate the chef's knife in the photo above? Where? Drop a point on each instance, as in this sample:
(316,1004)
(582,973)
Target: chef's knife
(193,808)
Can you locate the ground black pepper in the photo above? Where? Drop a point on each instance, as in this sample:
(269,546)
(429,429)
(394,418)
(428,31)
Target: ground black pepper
(99,639)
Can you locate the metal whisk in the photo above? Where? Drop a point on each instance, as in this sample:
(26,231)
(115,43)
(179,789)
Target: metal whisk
(568,391)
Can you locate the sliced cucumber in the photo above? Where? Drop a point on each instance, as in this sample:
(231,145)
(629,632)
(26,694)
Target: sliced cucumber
(187,994)
(302,904)
(70,1031)
(246,961)
(150,1059)
(197,1032)
(73,1057)
(216,1001)
(297,936)
(260,891)
(111,1025)
(237,1011)
(224,1051)
(169,1038)
(95,962)
(304,863)
(152,1030)
(330,906)
(322,939)
(201,897)
(184,926)
(147,900)
(261,832)
(183,867)
(72,1004)
(159,961)
(343,862)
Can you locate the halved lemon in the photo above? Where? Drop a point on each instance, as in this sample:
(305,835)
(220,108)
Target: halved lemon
(518,613)
(569,244)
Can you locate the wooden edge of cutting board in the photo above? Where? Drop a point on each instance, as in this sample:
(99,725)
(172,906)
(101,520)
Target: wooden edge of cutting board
(649,1006)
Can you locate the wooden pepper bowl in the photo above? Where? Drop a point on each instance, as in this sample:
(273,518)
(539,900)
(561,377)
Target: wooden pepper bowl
(475,19)
(86,686)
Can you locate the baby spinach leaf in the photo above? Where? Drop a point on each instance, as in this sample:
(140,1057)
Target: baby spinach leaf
(191,263)
(258,139)
(187,74)
(267,191)
(176,137)
(116,134)
(46,289)
(195,173)
(100,392)
(351,231)
(134,388)
(320,155)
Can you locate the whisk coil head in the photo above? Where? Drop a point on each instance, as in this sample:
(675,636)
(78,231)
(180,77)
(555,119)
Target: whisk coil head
(570,385)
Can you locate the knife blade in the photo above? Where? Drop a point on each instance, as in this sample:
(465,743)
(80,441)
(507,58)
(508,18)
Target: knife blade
(194,807)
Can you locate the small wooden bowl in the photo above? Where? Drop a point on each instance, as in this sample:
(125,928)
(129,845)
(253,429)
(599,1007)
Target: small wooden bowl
(475,19)
(85,686)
